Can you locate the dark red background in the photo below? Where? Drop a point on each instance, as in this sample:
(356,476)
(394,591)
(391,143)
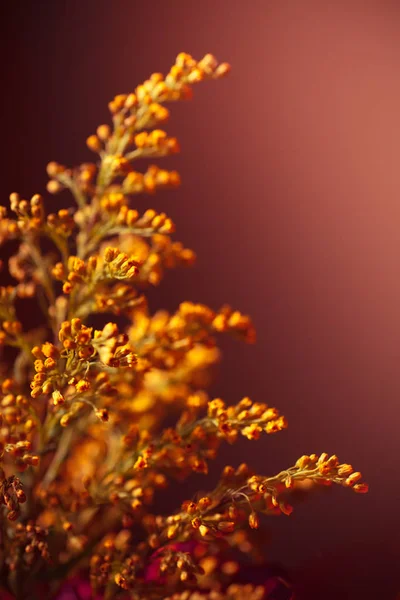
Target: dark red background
(290,195)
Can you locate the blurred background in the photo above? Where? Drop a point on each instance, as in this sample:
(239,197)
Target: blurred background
(290,196)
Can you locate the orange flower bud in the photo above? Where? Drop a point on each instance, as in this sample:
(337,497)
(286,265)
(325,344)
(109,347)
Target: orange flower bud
(102,414)
(196,523)
(82,386)
(172,531)
(353,478)
(57,397)
(141,463)
(204,530)
(204,503)
(254,520)
(285,508)
(345,470)
(226,526)
(361,488)
(103,132)
(93,143)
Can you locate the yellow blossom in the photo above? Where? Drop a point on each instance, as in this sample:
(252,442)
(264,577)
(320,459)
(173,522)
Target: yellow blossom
(106,402)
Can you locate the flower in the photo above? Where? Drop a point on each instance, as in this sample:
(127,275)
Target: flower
(106,403)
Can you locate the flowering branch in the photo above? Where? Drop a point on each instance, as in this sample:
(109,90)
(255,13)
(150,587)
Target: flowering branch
(84,446)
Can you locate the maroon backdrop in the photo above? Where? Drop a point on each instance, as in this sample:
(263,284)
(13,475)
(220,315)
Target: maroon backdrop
(290,195)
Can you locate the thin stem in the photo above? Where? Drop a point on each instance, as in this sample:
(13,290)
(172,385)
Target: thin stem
(72,186)
(61,245)
(61,453)
(94,241)
(146,153)
(44,274)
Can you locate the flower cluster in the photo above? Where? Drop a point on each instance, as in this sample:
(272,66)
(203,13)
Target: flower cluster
(98,417)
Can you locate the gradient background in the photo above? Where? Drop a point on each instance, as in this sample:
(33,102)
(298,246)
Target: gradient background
(290,195)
